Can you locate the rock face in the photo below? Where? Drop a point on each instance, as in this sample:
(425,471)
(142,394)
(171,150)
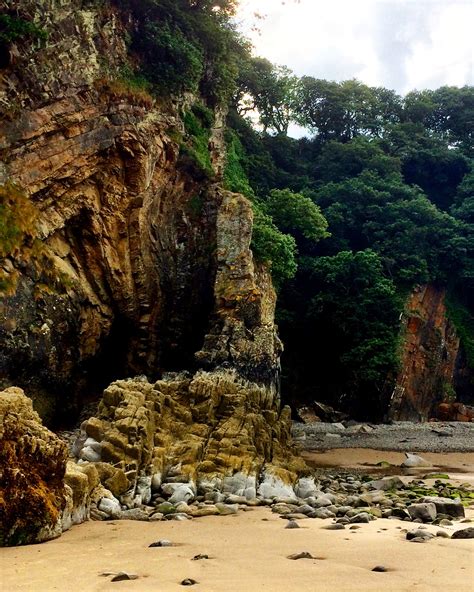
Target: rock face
(430,357)
(127,261)
(32,467)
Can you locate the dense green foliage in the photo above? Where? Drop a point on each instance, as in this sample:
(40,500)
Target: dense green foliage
(341,323)
(194,150)
(187,45)
(393,178)
(463,320)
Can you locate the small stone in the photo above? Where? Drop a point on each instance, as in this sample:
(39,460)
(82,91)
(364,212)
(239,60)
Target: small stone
(162,543)
(188,582)
(322,513)
(292,524)
(336,526)
(227,509)
(363,518)
(355,527)
(423,534)
(134,514)
(442,534)
(302,555)
(380,569)
(122,575)
(465,533)
(200,557)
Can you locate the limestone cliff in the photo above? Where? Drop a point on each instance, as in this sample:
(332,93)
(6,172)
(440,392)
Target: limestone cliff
(431,358)
(128,261)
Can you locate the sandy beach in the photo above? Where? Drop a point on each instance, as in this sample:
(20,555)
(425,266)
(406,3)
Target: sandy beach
(249,552)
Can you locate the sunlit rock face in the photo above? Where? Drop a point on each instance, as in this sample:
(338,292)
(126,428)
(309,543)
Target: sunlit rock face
(203,430)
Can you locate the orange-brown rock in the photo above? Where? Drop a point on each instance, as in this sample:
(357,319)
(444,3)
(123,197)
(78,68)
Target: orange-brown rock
(428,363)
(32,468)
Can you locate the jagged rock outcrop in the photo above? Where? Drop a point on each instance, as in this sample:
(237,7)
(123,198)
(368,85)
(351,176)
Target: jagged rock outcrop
(211,430)
(125,260)
(430,354)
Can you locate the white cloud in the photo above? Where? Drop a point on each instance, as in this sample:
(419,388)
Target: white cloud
(400,44)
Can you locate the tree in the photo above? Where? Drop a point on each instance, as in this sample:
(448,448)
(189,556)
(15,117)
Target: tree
(295,214)
(344,341)
(270,90)
(344,110)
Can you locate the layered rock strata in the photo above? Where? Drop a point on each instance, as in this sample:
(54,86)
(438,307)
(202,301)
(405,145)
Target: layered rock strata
(128,261)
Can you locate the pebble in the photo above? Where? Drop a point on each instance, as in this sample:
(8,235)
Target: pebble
(380,568)
(336,526)
(442,534)
(200,557)
(292,524)
(122,575)
(302,555)
(162,543)
(188,582)
(419,534)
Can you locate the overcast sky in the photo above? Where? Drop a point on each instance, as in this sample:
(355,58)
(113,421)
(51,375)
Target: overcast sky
(399,44)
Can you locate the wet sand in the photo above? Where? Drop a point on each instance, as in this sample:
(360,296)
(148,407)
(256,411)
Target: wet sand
(365,459)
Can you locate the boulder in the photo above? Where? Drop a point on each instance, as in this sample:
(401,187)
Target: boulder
(182,494)
(32,464)
(426,512)
(414,461)
(465,533)
(386,483)
(445,505)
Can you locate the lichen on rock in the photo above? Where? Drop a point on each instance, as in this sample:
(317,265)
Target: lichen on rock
(205,430)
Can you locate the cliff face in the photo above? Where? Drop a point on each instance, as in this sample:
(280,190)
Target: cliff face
(431,358)
(129,262)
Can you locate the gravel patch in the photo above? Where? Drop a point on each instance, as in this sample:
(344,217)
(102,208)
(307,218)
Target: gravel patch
(399,436)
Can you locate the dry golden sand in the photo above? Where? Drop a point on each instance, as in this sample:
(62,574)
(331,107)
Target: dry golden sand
(248,553)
